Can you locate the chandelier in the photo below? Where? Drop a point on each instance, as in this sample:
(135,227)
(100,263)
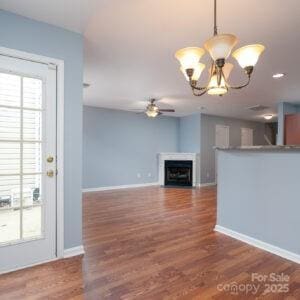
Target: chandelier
(219,47)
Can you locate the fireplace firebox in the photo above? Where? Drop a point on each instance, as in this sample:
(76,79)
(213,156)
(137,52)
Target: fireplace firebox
(178,173)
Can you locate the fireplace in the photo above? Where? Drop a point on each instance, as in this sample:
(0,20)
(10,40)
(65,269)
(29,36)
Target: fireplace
(187,161)
(178,173)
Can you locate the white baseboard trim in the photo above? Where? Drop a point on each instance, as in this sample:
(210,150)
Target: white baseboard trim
(207,184)
(75,251)
(127,186)
(29,266)
(67,253)
(259,244)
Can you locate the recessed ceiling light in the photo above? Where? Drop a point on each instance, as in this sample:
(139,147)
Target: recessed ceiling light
(268,117)
(278,75)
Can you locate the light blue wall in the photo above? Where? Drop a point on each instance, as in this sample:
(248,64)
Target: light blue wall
(23,34)
(208,138)
(117,145)
(285,108)
(189,134)
(258,195)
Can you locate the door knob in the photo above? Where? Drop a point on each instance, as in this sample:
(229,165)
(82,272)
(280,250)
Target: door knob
(50,173)
(50,159)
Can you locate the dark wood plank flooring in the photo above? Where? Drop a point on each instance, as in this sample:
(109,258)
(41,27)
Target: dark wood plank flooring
(152,243)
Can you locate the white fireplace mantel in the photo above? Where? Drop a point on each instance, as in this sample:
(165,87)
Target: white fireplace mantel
(194,157)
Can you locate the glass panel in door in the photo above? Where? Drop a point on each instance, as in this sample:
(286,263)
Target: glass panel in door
(21,149)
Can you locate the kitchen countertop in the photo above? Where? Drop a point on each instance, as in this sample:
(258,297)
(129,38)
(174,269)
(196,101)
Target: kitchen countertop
(261,148)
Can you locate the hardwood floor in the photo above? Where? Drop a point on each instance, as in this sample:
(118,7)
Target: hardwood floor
(153,243)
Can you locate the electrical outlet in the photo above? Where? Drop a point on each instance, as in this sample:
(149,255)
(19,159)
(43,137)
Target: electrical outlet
(138,175)
(149,175)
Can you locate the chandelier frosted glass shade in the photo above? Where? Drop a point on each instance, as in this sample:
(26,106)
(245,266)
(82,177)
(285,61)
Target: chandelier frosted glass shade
(219,89)
(198,69)
(214,88)
(220,46)
(248,56)
(227,70)
(189,57)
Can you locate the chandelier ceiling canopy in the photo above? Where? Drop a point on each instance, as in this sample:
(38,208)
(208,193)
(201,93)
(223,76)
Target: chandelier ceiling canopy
(219,47)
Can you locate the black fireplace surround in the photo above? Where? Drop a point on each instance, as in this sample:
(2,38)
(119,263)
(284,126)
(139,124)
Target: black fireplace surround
(178,173)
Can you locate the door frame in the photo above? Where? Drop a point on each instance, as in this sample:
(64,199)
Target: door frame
(59,65)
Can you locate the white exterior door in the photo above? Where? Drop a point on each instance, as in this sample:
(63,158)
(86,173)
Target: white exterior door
(27,163)
(247,137)
(222,141)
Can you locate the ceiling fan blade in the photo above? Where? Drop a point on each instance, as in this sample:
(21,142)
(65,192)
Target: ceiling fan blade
(167,110)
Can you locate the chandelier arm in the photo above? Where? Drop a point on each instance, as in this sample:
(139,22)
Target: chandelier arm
(241,86)
(195,87)
(200,94)
(198,88)
(193,83)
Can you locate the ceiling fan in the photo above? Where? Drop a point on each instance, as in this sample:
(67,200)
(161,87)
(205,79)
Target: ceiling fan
(152,110)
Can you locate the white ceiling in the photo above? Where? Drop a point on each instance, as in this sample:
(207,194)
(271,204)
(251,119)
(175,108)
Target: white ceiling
(73,15)
(130,45)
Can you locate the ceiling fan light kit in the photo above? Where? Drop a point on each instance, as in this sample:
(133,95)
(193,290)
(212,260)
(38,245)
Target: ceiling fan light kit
(152,110)
(219,47)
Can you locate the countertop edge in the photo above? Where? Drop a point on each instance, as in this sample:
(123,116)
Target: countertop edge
(260,148)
